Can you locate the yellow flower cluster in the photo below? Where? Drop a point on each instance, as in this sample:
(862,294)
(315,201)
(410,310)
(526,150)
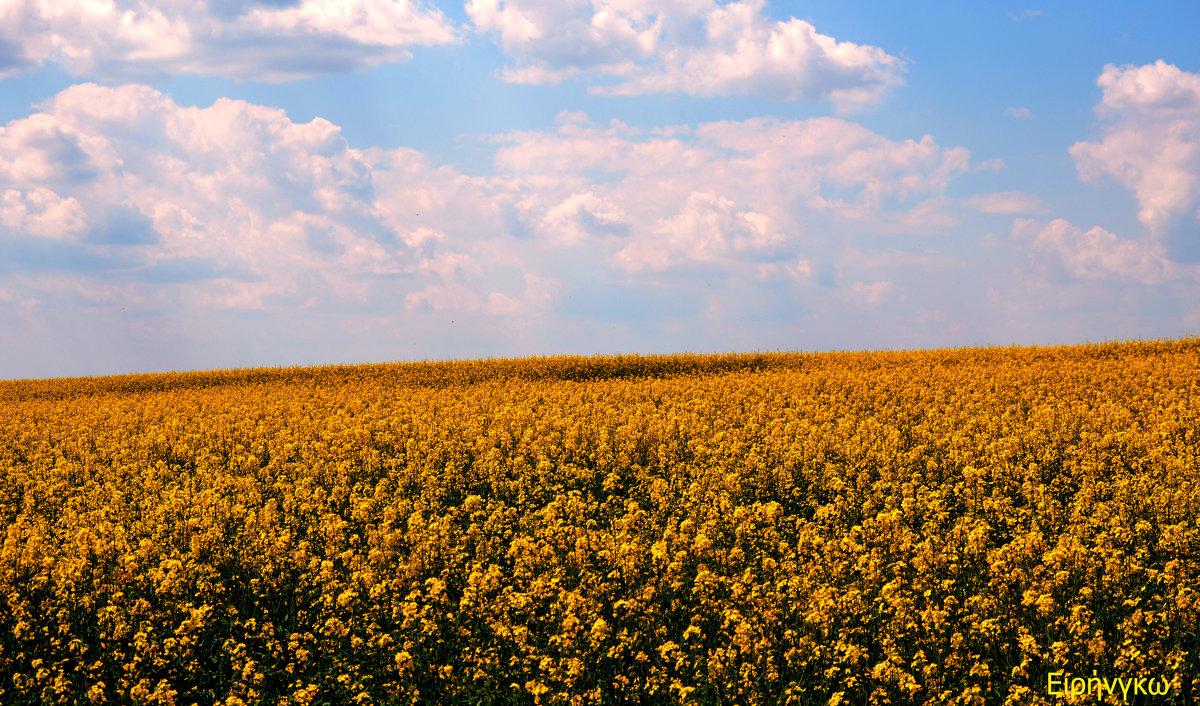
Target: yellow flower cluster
(944,526)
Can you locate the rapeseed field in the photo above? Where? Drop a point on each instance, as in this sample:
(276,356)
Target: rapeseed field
(970,526)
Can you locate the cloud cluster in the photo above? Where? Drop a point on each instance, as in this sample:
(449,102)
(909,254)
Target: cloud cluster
(119,197)
(269,40)
(124,182)
(754,190)
(707,227)
(1150,144)
(245,209)
(1095,255)
(695,47)
(39,212)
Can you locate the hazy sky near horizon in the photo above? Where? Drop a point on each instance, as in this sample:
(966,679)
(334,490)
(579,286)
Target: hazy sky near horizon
(194,184)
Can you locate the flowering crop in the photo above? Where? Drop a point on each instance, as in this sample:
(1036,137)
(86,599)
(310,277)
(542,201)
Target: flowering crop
(950,526)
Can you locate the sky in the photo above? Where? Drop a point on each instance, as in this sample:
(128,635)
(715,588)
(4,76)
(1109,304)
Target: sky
(202,184)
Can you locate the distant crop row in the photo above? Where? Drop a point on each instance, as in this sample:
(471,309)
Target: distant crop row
(955,526)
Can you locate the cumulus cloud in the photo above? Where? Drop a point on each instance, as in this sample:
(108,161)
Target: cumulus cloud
(40,212)
(240,189)
(1094,255)
(706,228)
(582,215)
(724,192)
(227,212)
(1150,144)
(235,198)
(696,47)
(265,40)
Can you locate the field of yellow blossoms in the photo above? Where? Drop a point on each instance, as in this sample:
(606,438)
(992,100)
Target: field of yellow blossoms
(970,526)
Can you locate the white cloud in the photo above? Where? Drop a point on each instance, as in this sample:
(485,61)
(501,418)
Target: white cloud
(1022,15)
(697,47)
(234,207)
(1018,113)
(40,212)
(707,228)
(460,291)
(1160,89)
(210,216)
(928,216)
(565,117)
(1093,255)
(870,295)
(1007,202)
(535,296)
(441,298)
(1150,144)
(582,215)
(994,164)
(239,192)
(116,39)
(799,269)
(723,192)
(235,200)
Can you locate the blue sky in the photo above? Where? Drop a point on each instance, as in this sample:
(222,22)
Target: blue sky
(194,185)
